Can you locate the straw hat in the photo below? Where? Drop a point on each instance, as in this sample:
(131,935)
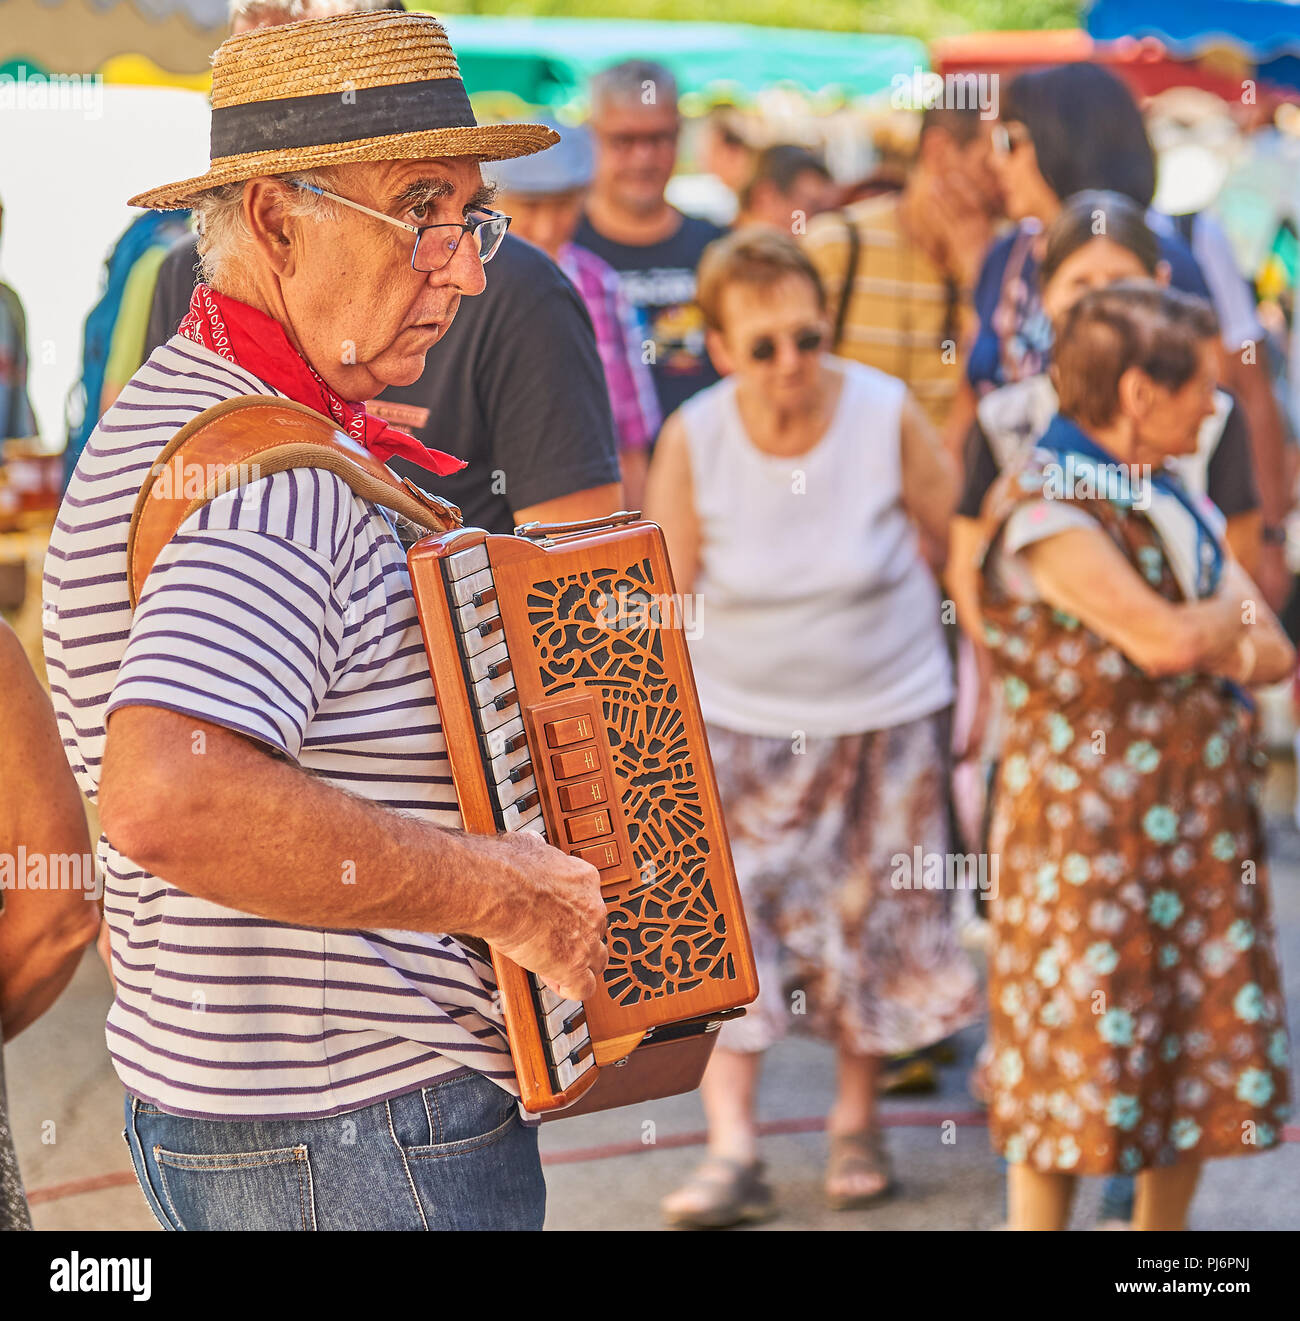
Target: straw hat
(375,86)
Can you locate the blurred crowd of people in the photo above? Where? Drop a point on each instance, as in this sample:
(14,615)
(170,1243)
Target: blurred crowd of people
(851,411)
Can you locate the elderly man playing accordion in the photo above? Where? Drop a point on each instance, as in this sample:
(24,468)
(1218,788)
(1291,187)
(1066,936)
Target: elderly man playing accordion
(301,1045)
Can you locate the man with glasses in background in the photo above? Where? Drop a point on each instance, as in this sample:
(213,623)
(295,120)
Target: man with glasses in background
(301,1043)
(629,223)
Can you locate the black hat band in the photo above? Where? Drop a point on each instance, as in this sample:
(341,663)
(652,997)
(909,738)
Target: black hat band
(327,118)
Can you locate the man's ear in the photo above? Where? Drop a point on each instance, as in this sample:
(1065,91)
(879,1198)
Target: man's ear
(719,355)
(271,228)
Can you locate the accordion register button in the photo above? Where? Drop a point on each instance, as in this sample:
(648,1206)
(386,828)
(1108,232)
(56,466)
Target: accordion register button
(559,733)
(580,761)
(600,856)
(574,797)
(591,826)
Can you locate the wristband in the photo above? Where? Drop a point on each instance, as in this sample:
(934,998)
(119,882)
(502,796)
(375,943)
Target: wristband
(1273,534)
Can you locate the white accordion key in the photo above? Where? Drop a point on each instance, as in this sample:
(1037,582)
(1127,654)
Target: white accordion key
(509,791)
(477,584)
(565,1011)
(521,812)
(465,562)
(550,1001)
(569,1072)
(480,666)
(470,616)
(487,690)
(489,633)
(500,711)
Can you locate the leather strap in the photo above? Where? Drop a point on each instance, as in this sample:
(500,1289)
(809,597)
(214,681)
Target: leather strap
(242,440)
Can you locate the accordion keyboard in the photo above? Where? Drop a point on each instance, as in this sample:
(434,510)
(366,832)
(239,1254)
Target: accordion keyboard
(508,767)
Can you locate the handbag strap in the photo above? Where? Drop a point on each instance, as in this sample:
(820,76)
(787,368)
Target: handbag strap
(850,279)
(242,440)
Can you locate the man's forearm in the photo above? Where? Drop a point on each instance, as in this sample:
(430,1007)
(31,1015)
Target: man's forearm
(241,828)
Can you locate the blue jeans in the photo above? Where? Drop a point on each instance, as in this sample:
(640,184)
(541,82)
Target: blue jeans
(452,1156)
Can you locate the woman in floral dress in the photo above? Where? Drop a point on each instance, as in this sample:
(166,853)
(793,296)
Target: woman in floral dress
(1135,1013)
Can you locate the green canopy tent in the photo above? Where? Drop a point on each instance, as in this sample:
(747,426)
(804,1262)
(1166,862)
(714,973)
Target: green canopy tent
(546,61)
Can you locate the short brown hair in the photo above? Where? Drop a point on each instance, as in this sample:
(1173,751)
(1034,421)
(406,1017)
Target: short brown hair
(1129,324)
(755,256)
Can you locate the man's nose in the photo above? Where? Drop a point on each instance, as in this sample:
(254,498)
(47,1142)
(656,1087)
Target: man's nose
(465,269)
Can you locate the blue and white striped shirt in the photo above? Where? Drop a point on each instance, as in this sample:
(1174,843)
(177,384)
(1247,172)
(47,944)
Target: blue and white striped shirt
(282,611)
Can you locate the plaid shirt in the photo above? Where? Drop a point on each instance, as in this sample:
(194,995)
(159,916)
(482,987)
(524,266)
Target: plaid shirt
(619,334)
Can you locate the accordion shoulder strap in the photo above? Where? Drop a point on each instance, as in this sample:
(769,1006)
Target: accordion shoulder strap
(242,440)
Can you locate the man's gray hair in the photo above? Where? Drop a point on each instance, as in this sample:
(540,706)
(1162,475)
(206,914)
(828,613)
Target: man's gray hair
(642,81)
(224,236)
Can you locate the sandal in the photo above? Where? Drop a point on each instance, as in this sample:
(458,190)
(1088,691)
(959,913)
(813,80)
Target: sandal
(723,1192)
(909,1075)
(858,1153)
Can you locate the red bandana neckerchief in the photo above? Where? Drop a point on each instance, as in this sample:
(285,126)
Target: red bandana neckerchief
(256,342)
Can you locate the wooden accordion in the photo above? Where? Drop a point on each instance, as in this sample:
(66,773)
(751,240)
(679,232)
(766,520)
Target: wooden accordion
(569,708)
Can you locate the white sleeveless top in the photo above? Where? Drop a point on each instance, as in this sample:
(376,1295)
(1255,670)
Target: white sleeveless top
(816,612)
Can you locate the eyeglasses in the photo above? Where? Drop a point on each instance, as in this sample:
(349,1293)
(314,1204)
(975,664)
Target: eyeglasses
(1007,139)
(763,349)
(622,143)
(434,249)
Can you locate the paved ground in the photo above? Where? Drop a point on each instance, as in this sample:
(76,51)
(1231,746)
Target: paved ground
(608,1171)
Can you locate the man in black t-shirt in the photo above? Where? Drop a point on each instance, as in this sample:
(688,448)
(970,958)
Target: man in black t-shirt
(515,388)
(630,224)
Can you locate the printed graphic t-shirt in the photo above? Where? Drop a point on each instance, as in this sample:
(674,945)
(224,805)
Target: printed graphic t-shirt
(659,280)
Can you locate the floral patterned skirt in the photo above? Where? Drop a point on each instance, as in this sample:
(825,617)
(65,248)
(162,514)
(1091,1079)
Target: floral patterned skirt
(1135,1012)
(822,834)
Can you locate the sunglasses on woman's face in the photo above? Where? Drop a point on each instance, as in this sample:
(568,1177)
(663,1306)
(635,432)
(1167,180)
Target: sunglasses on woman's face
(763,349)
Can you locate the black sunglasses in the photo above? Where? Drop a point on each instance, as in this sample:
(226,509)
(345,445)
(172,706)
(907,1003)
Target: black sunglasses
(763,349)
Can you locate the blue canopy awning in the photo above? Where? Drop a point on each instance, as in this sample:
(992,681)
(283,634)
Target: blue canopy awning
(1266,31)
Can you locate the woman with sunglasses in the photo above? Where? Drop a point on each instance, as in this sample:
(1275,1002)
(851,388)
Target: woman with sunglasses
(795,495)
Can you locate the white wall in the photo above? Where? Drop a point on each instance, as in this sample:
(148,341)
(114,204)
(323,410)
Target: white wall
(65,175)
